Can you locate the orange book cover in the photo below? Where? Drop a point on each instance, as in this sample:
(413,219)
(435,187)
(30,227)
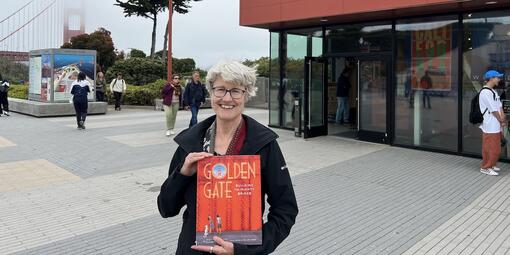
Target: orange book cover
(229,200)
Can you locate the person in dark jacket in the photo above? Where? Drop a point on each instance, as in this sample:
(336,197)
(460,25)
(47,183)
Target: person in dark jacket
(171,94)
(342,94)
(194,97)
(4,97)
(229,132)
(80,89)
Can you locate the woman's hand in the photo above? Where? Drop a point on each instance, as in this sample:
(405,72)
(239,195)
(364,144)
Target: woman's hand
(222,247)
(189,167)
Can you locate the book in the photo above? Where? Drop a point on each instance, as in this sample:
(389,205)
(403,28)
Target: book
(229,200)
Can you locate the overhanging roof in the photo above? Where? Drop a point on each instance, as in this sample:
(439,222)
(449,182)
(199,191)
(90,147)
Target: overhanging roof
(281,14)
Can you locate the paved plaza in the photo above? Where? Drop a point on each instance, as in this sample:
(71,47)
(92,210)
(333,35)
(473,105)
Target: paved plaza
(69,191)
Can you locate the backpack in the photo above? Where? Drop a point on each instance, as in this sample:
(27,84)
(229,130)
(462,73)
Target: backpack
(475,115)
(4,86)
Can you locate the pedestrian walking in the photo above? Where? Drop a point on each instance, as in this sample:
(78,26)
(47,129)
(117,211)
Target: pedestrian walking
(4,100)
(80,89)
(171,94)
(493,121)
(100,84)
(194,97)
(229,132)
(117,88)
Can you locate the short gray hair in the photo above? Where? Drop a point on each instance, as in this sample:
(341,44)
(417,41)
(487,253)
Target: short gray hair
(234,72)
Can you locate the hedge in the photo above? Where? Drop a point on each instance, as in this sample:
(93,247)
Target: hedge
(18,91)
(135,95)
(139,95)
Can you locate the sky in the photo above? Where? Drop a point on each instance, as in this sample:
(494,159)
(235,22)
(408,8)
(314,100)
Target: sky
(208,33)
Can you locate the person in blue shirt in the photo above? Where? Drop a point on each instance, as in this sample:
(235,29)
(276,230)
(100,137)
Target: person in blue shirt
(80,89)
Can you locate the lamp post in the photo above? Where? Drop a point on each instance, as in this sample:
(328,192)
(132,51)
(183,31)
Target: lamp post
(169,52)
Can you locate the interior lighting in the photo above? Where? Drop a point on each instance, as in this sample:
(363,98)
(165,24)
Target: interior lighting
(324,20)
(491,2)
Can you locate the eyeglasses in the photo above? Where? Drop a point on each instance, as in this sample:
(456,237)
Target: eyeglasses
(235,93)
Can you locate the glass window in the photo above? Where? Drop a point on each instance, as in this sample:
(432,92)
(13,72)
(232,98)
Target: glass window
(274,79)
(358,38)
(486,45)
(426,83)
(299,44)
(294,75)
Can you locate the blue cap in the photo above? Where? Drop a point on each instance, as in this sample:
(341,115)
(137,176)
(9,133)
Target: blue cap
(492,73)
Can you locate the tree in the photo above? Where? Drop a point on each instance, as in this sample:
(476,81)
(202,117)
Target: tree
(136,53)
(180,65)
(262,65)
(150,9)
(101,41)
(12,71)
(138,71)
(119,55)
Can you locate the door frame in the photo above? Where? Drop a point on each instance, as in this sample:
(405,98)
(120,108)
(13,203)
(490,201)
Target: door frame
(308,131)
(372,136)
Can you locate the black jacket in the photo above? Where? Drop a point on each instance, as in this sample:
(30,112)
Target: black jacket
(342,86)
(80,93)
(179,190)
(194,94)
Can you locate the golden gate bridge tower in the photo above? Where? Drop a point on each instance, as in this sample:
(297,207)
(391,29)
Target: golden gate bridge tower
(40,24)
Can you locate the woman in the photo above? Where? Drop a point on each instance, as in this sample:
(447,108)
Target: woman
(229,132)
(171,94)
(100,83)
(80,89)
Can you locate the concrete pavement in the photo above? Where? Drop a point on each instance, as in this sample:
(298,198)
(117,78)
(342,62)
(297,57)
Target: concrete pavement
(68,191)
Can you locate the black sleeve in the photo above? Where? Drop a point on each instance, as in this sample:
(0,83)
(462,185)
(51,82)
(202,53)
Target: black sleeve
(204,92)
(73,90)
(283,207)
(186,95)
(171,196)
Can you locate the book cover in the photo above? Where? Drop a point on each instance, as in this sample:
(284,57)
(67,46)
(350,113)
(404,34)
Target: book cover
(229,200)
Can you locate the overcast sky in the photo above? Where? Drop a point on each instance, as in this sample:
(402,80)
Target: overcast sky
(209,32)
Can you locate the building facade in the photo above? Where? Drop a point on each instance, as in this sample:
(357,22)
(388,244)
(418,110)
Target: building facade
(412,66)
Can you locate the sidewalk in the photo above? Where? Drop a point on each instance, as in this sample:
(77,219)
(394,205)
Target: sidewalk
(68,191)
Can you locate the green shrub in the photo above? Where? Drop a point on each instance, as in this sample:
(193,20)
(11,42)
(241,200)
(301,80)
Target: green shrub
(135,95)
(140,95)
(137,71)
(18,91)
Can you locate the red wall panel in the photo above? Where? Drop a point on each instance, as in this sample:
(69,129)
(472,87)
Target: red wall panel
(262,13)
(310,9)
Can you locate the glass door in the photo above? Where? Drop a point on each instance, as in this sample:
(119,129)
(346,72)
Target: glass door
(373,83)
(315,119)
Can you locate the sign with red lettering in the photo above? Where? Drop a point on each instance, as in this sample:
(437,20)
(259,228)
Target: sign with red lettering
(431,57)
(229,200)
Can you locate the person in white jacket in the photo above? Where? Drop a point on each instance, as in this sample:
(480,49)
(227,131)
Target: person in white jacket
(118,87)
(4,103)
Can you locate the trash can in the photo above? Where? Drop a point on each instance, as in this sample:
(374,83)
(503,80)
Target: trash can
(296,113)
